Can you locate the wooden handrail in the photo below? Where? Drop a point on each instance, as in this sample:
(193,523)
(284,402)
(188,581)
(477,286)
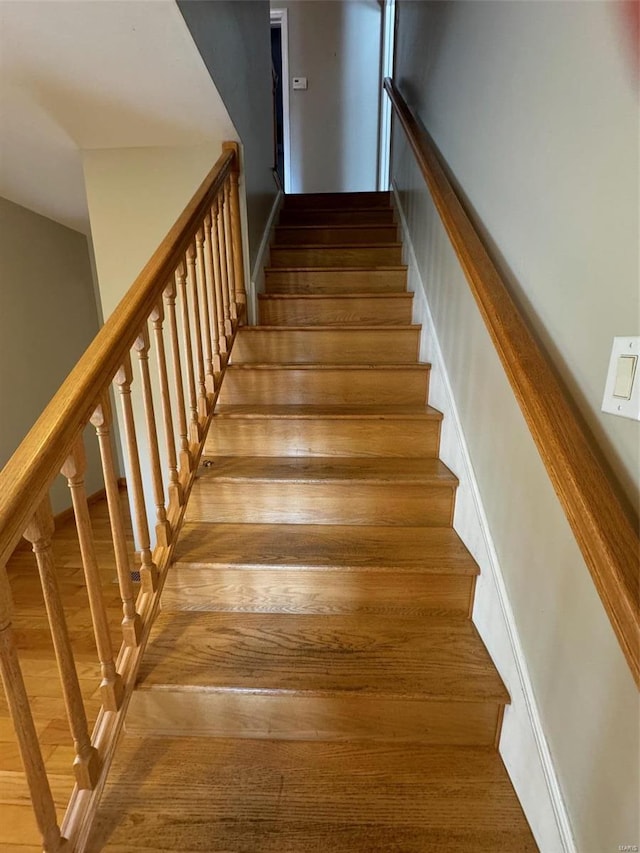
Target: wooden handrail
(596,508)
(27,476)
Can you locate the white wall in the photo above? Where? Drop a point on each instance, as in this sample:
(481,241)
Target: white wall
(533,106)
(234,41)
(47,319)
(336,44)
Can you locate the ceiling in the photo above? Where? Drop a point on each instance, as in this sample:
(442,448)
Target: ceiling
(86,74)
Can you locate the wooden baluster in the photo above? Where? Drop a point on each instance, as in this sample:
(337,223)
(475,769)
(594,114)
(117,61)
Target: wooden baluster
(195,433)
(210,280)
(111,686)
(163,529)
(20,710)
(203,406)
(224,278)
(228,247)
(185,453)
(218,252)
(201,279)
(236,233)
(87,764)
(176,496)
(148,569)
(131,622)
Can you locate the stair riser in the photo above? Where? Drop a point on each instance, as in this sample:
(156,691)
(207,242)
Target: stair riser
(351,201)
(322,437)
(321,503)
(293,717)
(336,236)
(380,310)
(335,281)
(278,590)
(329,217)
(347,386)
(335,256)
(353,346)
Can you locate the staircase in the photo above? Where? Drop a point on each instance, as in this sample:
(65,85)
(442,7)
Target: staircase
(314,681)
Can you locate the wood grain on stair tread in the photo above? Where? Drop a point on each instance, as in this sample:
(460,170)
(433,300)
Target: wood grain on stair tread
(282,590)
(326,470)
(299,235)
(387,309)
(319,384)
(337,344)
(183,713)
(427,658)
(242,796)
(330,548)
(335,280)
(378,255)
(322,431)
(403,411)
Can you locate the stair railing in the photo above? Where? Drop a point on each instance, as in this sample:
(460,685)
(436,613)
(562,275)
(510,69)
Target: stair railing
(599,514)
(184,306)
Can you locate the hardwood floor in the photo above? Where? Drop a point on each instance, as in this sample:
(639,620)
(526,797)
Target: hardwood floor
(18,831)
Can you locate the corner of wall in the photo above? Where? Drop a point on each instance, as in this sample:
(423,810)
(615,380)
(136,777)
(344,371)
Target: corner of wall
(523,745)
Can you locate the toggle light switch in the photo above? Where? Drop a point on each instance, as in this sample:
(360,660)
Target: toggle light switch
(625,372)
(299,82)
(622,391)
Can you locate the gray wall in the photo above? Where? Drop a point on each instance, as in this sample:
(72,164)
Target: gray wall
(534,106)
(234,41)
(336,44)
(47,319)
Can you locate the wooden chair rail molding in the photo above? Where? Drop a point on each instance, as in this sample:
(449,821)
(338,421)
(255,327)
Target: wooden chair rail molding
(177,323)
(597,510)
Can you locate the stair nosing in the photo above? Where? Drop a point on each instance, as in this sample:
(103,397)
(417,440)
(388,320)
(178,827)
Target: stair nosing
(333,296)
(312,412)
(429,696)
(391,244)
(442,477)
(345,327)
(325,365)
(339,225)
(383,268)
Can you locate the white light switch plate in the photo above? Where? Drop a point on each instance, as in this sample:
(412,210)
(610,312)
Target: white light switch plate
(299,82)
(622,389)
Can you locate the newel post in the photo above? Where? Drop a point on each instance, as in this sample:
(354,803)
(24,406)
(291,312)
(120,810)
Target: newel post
(236,232)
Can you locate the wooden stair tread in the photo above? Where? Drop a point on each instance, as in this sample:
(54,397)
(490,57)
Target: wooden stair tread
(395,244)
(361,268)
(240,796)
(294,469)
(435,550)
(326,365)
(365,226)
(284,297)
(341,412)
(435,658)
(345,327)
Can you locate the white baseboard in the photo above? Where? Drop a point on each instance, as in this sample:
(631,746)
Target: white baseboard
(256,284)
(523,745)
